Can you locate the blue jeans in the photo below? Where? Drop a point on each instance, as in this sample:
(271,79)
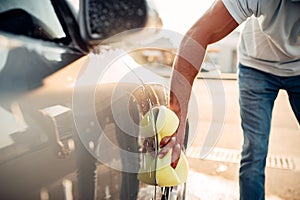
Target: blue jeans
(258,91)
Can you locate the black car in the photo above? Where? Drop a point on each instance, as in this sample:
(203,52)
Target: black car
(67,105)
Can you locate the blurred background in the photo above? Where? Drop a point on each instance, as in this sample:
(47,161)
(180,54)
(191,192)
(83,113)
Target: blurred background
(179,16)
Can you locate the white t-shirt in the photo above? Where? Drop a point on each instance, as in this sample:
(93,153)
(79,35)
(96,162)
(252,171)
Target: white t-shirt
(270,40)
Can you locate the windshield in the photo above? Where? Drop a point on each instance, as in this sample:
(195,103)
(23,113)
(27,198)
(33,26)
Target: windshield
(31,18)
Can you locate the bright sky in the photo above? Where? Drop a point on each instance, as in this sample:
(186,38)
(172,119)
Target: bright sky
(180,15)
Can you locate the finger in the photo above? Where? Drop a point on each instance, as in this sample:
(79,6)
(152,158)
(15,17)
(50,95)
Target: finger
(174,164)
(170,142)
(167,147)
(164,151)
(164,141)
(175,155)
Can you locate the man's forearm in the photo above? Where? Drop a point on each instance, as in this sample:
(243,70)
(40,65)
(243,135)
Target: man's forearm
(214,25)
(185,69)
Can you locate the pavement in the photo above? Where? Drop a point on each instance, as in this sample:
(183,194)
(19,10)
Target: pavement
(214,175)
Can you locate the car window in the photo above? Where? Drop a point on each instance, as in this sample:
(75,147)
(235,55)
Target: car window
(31,18)
(74,6)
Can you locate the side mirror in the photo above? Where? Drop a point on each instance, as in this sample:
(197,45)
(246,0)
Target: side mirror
(101,19)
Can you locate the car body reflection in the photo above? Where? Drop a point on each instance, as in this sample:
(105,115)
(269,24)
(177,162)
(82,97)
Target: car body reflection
(61,137)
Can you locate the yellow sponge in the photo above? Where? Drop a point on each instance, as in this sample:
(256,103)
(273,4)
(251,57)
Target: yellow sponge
(163,174)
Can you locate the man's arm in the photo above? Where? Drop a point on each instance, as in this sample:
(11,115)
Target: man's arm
(214,25)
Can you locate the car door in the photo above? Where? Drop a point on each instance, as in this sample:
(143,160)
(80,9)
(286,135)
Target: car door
(34,44)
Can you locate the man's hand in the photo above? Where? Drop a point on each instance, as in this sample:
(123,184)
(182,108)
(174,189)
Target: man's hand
(173,143)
